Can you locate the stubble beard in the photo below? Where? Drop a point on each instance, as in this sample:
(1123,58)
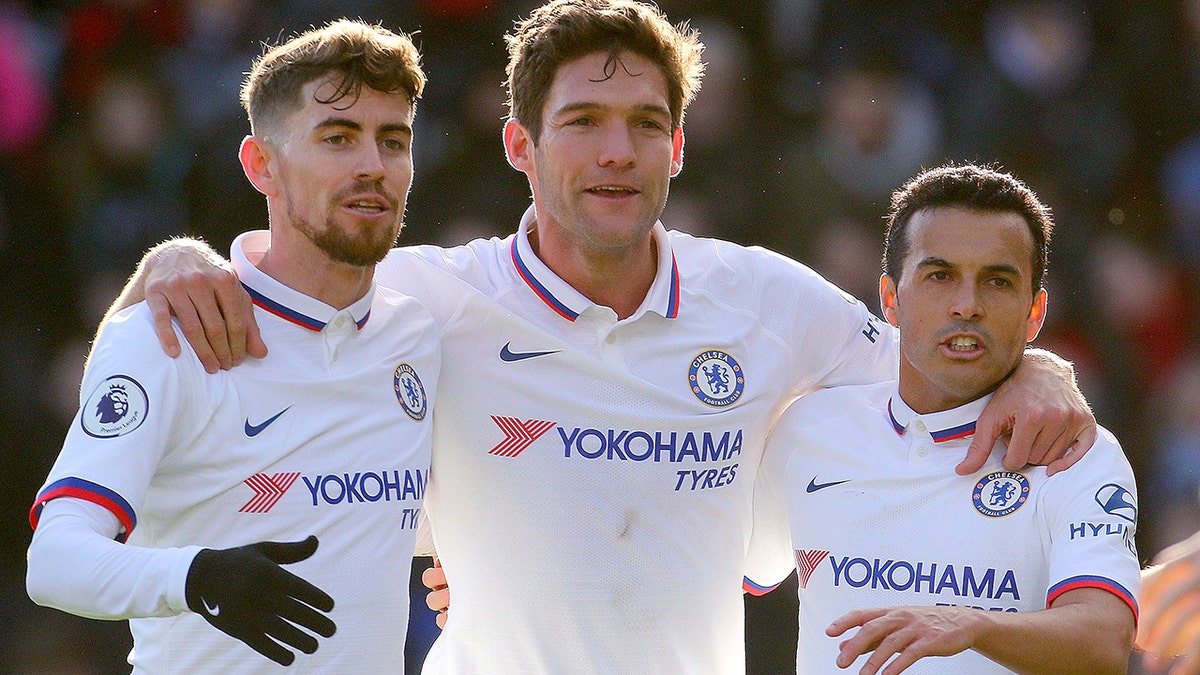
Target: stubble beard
(363,249)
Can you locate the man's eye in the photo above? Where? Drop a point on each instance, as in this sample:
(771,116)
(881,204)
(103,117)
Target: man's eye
(336,140)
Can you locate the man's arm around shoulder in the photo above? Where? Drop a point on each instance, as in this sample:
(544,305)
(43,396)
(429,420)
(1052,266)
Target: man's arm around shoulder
(186,278)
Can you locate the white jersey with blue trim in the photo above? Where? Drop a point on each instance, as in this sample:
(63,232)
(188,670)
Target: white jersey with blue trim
(591,489)
(328,435)
(898,526)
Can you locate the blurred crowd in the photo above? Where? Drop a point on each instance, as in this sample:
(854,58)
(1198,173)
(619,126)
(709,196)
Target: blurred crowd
(119,124)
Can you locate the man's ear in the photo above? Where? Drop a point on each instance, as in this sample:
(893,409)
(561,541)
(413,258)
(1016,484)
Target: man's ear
(518,146)
(1037,315)
(887,300)
(255,155)
(677,152)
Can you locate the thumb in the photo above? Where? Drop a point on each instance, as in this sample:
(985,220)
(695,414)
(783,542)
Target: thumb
(981,448)
(287,552)
(254,343)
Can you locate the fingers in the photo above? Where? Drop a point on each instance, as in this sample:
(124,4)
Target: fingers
(293,586)
(234,306)
(254,343)
(161,312)
(1020,446)
(291,635)
(288,552)
(438,601)
(309,594)
(213,311)
(434,578)
(302,615)
(269,648)
(1075,453)
(977,454)
(851,619)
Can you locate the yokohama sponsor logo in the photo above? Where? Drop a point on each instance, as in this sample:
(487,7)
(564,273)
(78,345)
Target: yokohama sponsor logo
(806,564)
(518,435)
(267,490)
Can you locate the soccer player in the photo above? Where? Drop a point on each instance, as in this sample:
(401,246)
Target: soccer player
(608,384)
(1000,570)
(173,485)
(1170,601)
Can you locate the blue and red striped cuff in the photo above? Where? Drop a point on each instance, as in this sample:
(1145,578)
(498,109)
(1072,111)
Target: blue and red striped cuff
(754,589)
(1092,581)
(87,491)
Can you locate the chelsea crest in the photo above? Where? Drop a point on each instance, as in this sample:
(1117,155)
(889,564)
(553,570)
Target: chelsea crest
(716,378)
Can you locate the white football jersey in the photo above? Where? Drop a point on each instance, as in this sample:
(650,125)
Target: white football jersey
(327,435)
(898,526)
(591,488)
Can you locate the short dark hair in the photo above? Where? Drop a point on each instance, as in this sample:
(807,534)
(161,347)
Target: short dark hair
(564,30)
(364,54)
(973,188)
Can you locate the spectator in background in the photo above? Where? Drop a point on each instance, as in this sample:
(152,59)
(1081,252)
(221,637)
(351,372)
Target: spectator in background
(876,123)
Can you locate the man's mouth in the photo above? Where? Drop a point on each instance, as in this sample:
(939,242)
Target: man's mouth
(962,343)
(612,190)
(367,206)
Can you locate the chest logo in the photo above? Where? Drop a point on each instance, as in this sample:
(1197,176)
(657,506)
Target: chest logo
(267,490)
(507,355)
(806,564)
(253,430)
(1000,493)
(518,435)
(716,378)
(409,391)
(814,486)
(116,407)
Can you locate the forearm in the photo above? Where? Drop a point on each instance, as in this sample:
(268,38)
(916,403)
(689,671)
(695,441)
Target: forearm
(77,567)
(1091,637)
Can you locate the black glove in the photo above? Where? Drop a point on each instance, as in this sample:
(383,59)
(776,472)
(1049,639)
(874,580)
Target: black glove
(244,592)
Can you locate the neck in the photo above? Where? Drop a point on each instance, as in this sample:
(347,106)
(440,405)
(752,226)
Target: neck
(616,278)
(309,270)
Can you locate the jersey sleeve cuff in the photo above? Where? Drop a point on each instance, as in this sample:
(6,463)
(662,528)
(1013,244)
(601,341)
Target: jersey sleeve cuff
(91,492)
(177,578)
(749,586)
(1091,581)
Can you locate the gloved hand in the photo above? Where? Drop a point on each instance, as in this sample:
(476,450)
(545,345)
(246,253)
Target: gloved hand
(245,593)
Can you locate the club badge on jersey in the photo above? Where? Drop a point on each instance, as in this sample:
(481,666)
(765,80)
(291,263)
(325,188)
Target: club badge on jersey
(1000,493)
(409,391)
(716,378)
(116,407)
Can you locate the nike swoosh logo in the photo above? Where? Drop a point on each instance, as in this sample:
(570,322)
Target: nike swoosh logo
(813,485)
(213,610)
(253,430)
(509,356)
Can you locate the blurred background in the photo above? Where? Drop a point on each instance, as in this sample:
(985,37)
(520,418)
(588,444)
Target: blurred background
(119,127)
